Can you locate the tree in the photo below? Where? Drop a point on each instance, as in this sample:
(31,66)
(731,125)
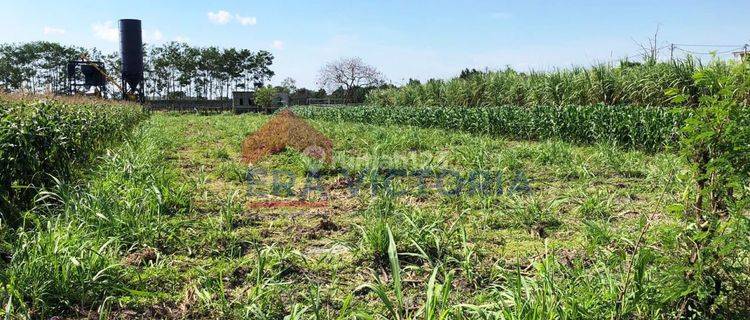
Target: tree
(289,85)
(35,66)
(347,74)
(651,48)
(264,97)
(469,73)
(171,69)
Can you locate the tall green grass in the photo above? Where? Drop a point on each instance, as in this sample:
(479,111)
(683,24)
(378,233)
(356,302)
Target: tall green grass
(42,138)
(68,255)
(626,84)
(646,128)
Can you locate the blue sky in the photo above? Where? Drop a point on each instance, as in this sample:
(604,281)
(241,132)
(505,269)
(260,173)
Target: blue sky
(404,39)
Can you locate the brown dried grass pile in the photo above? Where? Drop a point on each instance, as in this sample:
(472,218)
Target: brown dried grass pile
(283,131)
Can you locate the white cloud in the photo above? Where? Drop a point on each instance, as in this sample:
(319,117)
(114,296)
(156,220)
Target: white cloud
(109,32)
(53,31)
(153,35)
(224,17)
(278,44)
(247,21)
(183,39)
(106,31)
(220,17)
(501,15)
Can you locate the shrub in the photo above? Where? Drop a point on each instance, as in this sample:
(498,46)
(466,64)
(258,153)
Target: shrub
(715,243)
(265,96)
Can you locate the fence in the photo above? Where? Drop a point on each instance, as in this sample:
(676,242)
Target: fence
(324,101)
(206,106)
(190,105)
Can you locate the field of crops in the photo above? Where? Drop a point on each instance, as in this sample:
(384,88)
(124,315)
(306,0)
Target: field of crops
(645,128)
(639,84)
(494,211)
(422,214)
(42,139)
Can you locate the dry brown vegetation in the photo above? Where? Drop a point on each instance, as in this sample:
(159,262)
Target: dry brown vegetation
(286,130)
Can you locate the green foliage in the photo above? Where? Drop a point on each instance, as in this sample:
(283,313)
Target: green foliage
(173,69)
(69,252)
(42,138)
(264,97)
(596,206)
(437,304)
(206,72)
(35,65)
(647,128)
(569,250)
(715,140)
(627,84)
(375,239)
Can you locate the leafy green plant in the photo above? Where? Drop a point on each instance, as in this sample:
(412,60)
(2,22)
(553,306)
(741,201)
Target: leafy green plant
(265,96)
(375,239)
(231,208)
(596,206)
(534,215)
(437,304)
(715,140)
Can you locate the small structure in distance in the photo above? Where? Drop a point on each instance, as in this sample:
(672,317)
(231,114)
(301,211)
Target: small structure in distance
(244,101)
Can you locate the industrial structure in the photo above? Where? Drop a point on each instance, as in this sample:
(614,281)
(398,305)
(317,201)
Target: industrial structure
(86,77)
(89,77)
(244,101)
(131,52)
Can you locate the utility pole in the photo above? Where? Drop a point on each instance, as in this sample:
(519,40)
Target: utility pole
(671,52)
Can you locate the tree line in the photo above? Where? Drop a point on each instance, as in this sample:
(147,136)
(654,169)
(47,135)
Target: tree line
(344,80)
(177,70)
(171,70)
(338,92)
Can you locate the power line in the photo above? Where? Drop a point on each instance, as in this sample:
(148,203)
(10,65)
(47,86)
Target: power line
(709,45)
(710,52)
(673,46)
(632,56)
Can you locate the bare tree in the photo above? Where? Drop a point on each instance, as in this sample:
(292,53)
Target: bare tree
(349,73)
(289,85)
(651,48)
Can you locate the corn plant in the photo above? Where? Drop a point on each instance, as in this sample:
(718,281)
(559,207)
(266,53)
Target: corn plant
(629,83)
(41,138)
(630,127)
